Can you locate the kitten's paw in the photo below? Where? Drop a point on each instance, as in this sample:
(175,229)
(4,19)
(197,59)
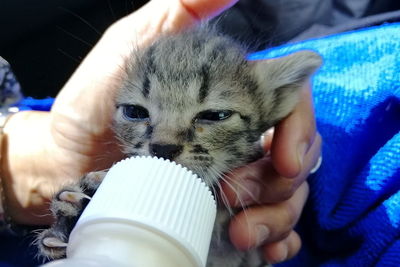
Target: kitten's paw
(66,207)
(50,245)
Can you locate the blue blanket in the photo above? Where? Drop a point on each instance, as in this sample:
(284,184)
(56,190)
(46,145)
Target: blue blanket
(352,217)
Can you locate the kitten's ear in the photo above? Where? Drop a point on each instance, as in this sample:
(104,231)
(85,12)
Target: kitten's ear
(280,81)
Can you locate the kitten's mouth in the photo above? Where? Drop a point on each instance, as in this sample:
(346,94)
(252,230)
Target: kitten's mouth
(133,154)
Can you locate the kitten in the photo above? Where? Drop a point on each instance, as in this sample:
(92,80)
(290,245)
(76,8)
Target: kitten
(193,98)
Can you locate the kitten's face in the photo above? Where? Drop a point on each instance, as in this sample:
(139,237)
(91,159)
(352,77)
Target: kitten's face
(194,99)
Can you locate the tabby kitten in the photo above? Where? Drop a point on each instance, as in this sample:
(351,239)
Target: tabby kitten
(195,99)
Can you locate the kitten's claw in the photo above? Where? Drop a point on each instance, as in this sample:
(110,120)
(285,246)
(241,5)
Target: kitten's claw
(73,197)
(53,242)
(66,207)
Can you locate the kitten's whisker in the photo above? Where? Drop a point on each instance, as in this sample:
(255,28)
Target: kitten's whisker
(222,195)
(233,189)
(260,181)
(239,187)
(111,10)
(214,190)
(234,184)
(225,200)
(87,23)
(209,180)
(76,37)
(211,186)
(244,207)
(69,56)
(229,180)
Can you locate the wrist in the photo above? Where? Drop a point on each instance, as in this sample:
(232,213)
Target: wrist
(25,177)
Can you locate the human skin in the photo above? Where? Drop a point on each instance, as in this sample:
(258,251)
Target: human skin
(42,151)
(274,187)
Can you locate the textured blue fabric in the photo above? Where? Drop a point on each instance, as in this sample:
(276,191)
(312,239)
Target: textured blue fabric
(352,217)
(29,103)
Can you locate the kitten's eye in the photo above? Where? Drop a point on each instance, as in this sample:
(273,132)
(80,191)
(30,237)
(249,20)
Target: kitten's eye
(213,115)
(135,113)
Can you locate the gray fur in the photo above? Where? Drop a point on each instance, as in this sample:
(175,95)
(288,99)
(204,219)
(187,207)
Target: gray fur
(199,71)
(175,83)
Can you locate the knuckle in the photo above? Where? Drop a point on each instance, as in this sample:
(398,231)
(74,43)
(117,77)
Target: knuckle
(310,136)
(290,216)
(286,195)
(319,141)
(288,190)
(283,232)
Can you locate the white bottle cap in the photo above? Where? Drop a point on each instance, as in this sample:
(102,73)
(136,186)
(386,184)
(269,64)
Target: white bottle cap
(145,211)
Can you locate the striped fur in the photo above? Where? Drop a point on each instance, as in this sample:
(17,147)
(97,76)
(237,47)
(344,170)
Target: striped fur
(181,80)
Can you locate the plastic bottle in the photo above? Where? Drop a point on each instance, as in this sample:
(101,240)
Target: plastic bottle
(147,212)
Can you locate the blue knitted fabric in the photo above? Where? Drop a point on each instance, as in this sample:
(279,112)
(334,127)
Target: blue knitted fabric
(352,217)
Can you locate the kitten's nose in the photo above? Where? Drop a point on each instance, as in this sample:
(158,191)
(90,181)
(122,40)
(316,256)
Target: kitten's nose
(166,151)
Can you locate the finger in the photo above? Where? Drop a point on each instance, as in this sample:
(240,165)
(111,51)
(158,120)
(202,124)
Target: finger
(170,16)
(259,183)
(207,9)
(282,250)
(293,137)
(266,140)
(269,223)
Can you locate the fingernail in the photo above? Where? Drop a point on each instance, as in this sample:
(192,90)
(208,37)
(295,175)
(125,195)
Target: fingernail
(262,233)
(317,165)
(301,152)
(247,193)
(266,140)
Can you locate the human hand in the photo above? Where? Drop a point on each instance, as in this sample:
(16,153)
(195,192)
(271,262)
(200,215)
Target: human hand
(46,150)
(274,188)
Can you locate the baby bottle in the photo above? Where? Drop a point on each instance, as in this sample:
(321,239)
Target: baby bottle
(147,212)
